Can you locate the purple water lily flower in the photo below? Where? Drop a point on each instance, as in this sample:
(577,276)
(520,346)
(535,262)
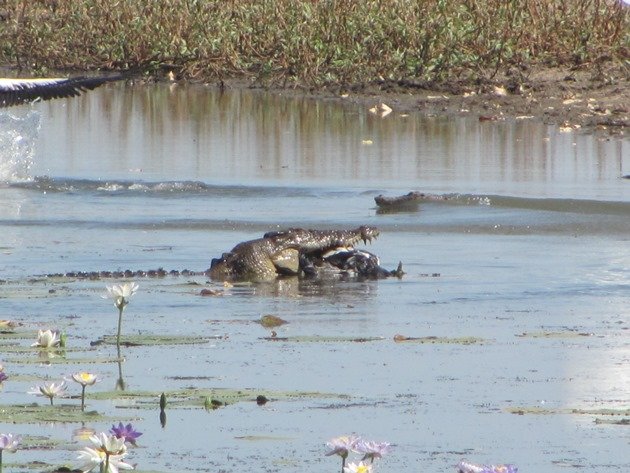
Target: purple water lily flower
(3,376)
(125,432)
(467,467)
(372,450)
(9,442)
(342,445)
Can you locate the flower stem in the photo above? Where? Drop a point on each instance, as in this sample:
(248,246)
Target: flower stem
(121,308)
(51,400)
(0,460)
(106,462)
(82,397)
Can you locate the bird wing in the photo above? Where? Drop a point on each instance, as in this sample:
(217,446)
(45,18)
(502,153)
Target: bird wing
(18,91)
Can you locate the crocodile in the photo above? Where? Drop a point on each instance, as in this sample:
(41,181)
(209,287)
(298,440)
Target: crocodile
(292,252)
(405,203)
(300,252)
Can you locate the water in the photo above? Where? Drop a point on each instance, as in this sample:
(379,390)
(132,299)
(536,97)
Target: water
(530,253)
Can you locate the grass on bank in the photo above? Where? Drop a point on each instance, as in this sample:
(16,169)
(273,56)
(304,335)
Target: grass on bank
(315,43)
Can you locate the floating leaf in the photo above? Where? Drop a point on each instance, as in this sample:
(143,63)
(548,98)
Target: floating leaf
(36,413)
(323,339)
(565,334)
(61,360)
(547,411)
(155,339)
(440,340)
(192,397)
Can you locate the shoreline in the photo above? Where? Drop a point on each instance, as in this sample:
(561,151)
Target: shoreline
(571,100)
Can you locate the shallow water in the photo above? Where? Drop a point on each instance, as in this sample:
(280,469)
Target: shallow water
(529,254)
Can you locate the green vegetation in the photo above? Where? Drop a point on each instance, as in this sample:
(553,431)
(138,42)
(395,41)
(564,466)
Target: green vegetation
(314,43)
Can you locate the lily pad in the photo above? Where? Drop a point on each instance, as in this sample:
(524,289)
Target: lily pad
(40,442)
(18,335)
(536,410)
(323,339)
(191,397)
(61,360)
(624,421)
(440,340)
(258,438)
(37,413)
(545,334)
(602,412)
(155,339)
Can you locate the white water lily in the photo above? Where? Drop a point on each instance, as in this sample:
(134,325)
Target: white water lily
(358,468)
(93,458)
(121,293)
(50,390)
(47,339)
(109,444)
(84,378)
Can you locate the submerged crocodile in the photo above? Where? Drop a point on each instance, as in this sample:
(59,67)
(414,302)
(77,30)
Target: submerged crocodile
(292,252)
(301,252)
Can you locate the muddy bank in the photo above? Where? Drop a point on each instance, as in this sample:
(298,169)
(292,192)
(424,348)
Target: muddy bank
(581,100)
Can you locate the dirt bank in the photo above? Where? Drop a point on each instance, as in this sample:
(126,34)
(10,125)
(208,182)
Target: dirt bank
(575,99)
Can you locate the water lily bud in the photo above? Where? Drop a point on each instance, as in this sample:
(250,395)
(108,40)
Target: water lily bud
(163,402)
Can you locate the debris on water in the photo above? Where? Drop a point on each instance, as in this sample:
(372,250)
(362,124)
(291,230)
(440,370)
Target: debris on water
(382,110)
(261,400)
(210,292)
(211,404)
(271,321)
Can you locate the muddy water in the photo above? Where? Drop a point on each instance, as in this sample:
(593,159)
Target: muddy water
(522,274)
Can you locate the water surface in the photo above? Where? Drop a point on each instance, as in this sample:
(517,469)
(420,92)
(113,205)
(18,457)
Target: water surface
(530,253)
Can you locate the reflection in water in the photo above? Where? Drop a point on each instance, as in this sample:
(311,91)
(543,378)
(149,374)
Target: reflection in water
(244,136)
(163,410)
(325,289)
(120,382)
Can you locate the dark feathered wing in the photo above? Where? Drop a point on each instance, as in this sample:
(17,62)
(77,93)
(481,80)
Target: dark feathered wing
(18,91)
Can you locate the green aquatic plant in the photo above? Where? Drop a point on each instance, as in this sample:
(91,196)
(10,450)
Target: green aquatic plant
(121,293)
(155,339)
(84,379)
(8,442)
(34,413)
